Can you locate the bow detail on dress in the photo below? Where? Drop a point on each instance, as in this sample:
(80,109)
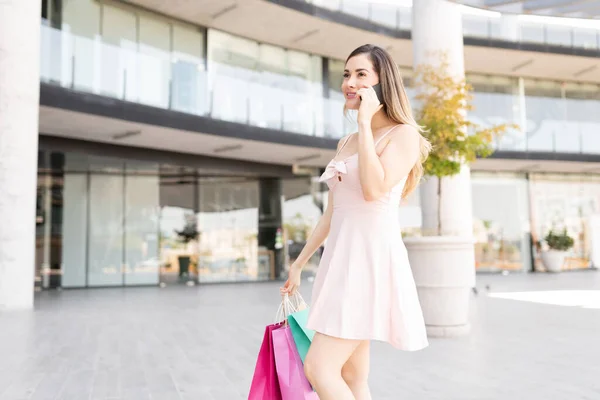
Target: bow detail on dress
(333,168)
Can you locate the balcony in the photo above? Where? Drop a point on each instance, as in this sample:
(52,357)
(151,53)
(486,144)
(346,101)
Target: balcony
(138,73)
(524,29)
(555,118)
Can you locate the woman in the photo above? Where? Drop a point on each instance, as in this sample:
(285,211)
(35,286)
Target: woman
(364,289)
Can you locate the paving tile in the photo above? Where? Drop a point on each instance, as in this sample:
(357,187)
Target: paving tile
(200,343)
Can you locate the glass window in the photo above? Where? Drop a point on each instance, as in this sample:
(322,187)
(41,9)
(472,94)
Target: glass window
(359,9)
(532,32)
(583,118)
(141,226)
(505,27)
(331,4)
(559,35)
(545,115)
(189,80)
(272,62)
(264,85)
(336,74)
(118,25)
(587,38)
(501,233)
(105,253)
(278,104)
(154,66)
(385,14)
(405,18)
(233,80)
(316,95)
(571,202)
(74,230)
(500,30)
(475,25)
(82,18)
(496,101)
(232,55)
(299,65)
(119,48)
(337,124)
(228,225)
(178,198)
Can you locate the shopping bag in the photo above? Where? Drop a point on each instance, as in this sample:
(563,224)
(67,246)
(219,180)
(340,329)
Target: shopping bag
(290,370)
(265,385)
(302,335)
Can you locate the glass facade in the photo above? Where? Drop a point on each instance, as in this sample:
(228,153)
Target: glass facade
(552,117)
(264,85)
(567,32)
(228,221)
(111,222)
(507,237)
(569,202)
(123,52)
(502,234)
(104,221)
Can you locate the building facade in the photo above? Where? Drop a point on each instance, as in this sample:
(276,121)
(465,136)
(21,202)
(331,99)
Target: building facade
(181,143)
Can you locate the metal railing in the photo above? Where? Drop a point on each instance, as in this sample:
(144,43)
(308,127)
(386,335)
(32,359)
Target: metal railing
(147,75)
(506,27)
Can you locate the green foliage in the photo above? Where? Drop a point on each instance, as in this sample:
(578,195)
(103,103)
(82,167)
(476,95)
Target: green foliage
(444,102)
(189,232)
(559,241)
(444,105)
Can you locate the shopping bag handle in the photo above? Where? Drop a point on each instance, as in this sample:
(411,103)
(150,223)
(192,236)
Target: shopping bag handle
(289,305)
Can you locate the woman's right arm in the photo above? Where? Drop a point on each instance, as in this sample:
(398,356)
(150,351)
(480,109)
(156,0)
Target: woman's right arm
(317,237)
(315,240)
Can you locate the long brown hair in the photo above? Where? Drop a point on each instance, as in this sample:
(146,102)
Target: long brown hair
(396,105)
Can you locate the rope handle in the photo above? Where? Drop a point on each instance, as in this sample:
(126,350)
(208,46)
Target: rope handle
(289,305)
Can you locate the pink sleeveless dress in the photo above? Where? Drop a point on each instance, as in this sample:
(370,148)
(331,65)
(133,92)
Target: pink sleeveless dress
(364,287)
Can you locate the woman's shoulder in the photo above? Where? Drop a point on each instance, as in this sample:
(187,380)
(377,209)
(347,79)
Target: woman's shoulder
(403,133)
(344,139)
(404,129)
(403,136)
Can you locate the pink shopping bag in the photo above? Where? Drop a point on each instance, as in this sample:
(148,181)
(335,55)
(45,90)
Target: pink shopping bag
(265,385)
(290,370)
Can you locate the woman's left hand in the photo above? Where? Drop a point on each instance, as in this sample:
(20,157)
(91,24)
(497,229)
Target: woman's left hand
(369,104)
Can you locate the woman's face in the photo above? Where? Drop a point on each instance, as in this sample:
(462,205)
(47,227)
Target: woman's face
(359,73)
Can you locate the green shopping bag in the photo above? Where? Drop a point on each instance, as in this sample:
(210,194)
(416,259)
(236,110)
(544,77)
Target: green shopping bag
(302,335)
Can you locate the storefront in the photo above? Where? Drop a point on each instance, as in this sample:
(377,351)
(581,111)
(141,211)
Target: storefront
(105,221)
(514,212)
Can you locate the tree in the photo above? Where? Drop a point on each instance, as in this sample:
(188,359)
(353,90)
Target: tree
(444,102)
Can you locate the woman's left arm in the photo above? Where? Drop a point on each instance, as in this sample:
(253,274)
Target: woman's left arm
(380,173)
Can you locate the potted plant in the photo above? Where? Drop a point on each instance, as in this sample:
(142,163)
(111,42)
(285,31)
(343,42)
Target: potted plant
(558,245)
(443,261)
(188,234)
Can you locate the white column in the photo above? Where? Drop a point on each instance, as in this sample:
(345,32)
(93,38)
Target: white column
(437,26)
(19,104)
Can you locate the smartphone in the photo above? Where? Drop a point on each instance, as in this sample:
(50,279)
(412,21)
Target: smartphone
(377,89)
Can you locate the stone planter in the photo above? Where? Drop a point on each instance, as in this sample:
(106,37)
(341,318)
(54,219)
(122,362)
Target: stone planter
(444,271)
(553,260)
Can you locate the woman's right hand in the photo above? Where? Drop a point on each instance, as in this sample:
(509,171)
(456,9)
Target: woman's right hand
(293,281)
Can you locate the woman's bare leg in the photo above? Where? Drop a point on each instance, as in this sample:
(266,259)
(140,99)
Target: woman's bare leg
(323,366)
(356,371)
